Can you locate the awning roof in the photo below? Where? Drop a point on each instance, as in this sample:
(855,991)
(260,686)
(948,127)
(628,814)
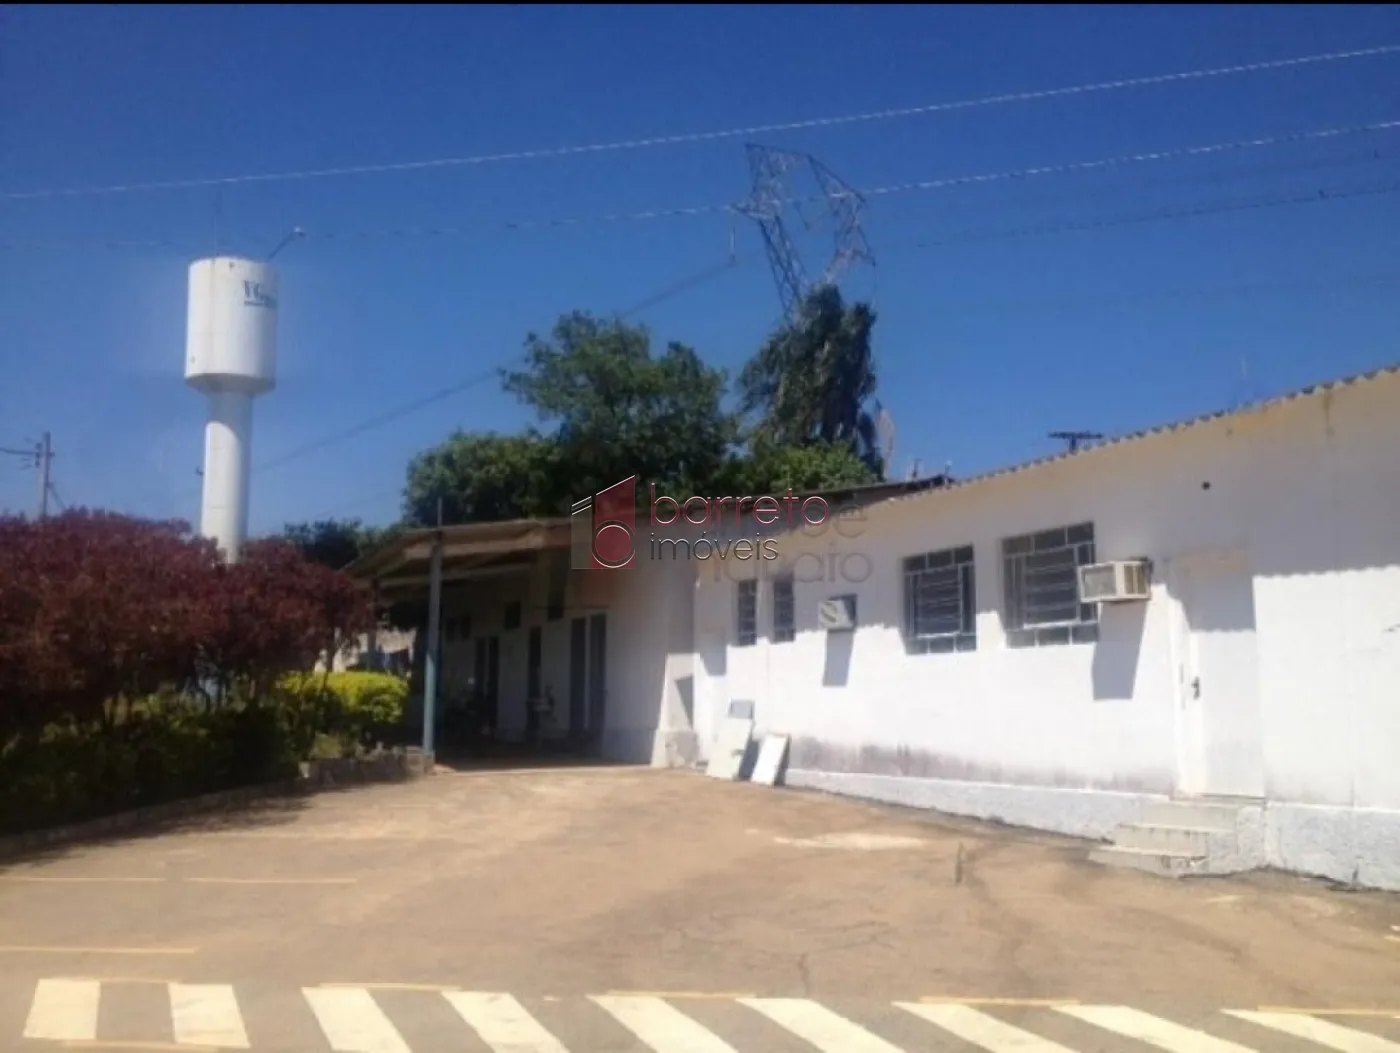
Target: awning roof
(479,550)
(469,550)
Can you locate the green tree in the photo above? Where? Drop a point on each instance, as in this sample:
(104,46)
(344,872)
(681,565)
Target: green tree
(817,466)
(480,478)
(811,379)
(335,543)
(614,408)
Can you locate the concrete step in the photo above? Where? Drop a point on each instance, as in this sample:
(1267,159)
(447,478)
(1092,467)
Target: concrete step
(1149,860)
(1191,815)
(1160,838)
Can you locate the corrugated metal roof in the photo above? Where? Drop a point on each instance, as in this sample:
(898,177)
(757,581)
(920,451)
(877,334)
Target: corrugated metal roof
(1165,429)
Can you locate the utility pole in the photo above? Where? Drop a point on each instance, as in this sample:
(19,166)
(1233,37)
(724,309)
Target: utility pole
(1075,438)
(43,458)
(41,455)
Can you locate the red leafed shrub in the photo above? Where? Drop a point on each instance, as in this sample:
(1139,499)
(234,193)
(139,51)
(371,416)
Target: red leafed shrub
(96,608)
(275,612)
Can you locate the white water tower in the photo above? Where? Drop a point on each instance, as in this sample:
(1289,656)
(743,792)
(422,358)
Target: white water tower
(231,356)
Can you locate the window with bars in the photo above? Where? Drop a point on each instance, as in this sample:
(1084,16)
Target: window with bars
(784,611)
(1042,587)
(940,602)
(746,613)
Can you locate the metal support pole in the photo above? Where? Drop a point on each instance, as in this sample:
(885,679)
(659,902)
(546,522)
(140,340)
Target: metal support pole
(431,655)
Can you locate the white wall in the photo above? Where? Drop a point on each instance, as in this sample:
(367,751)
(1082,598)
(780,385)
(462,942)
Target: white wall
(649,613)
(1073,736)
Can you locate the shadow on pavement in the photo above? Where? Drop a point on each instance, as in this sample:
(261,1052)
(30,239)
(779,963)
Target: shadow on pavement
(504,757)
(276,808)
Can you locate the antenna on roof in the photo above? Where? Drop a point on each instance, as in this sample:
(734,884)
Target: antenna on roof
(1073,439)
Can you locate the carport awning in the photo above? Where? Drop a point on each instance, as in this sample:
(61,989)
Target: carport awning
(470,550)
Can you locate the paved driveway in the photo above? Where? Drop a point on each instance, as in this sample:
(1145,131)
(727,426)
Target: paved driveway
(765,919)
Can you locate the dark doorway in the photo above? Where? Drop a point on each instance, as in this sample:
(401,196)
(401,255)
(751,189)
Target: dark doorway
(578,693)
(493,681)
(534,715)
(597,675)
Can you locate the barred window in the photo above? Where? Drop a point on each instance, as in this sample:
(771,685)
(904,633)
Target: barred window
(784,611)
(746,614)
(940,602)
(1042,587)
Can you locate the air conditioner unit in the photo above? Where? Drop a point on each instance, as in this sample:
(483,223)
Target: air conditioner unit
(1125,581)
(837,614)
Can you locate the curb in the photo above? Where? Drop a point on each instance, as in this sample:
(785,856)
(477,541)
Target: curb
(314,777)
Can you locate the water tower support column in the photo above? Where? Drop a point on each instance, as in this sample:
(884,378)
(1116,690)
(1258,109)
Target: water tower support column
(228,438)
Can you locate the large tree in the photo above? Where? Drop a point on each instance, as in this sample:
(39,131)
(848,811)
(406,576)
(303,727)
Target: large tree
(610,406)
(613,407)
(812,378)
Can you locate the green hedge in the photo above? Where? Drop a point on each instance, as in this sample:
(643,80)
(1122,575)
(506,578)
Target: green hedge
(74,772)
(165,749)
(355,707)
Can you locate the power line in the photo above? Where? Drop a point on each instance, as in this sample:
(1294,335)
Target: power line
(380,420)
(298,452)
(917,186)
(1319,197)
(1132,159)
(1316,197)
(1372,281)
(712,136)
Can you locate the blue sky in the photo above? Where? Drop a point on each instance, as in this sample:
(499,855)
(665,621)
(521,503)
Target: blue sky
(984,344)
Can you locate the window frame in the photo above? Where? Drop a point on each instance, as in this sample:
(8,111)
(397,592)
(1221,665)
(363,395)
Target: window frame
(746,591)
(1016,550)
(961,559)
(786,631)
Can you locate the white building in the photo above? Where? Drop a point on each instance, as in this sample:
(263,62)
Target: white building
(1246,713)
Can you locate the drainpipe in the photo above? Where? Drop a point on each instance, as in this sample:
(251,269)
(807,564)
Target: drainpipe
(431,655)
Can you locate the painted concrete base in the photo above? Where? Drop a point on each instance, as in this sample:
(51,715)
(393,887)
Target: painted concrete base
(674,749)
(657,747)
(1356,846)
(1080,813)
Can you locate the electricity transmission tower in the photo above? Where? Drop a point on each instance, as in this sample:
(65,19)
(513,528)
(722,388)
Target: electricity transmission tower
(774,172)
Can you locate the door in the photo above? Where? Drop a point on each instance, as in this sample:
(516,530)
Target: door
(578,683)
(597,675)
(1221,730)
(493,682)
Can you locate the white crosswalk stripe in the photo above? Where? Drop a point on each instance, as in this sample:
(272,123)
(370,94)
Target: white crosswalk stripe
(503,1023)
(1175,1038)
(1323,1032)
(661,1025)
(982,1029)
(352,1021)
(206,1015)
(828,1031)
(64,1009)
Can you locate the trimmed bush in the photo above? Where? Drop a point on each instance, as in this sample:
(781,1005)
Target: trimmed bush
(73,771)
(354,704)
